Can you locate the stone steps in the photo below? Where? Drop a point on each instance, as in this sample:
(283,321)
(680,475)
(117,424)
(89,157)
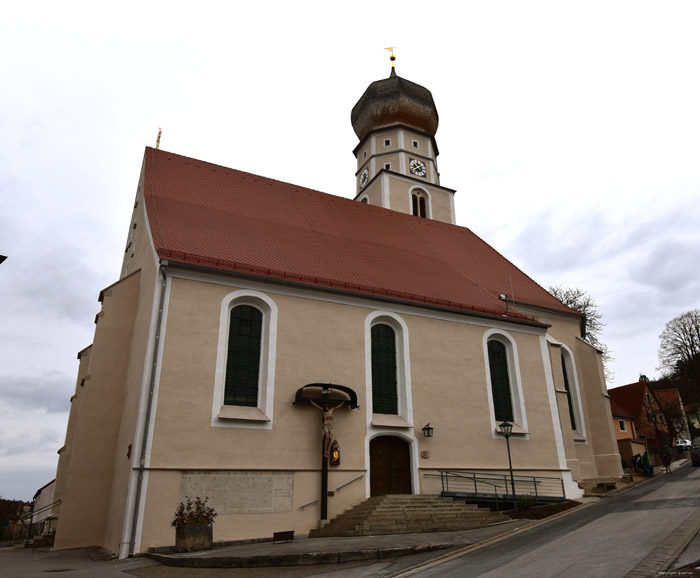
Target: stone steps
(407,514)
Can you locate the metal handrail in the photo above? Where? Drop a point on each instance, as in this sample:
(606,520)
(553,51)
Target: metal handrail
(309,504)
(33,512)
(348,483)
(460,483)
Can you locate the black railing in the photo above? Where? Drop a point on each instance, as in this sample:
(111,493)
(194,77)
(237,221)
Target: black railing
(488,487)
(39,528)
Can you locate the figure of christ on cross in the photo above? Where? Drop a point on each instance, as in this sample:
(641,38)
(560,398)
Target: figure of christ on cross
(327,426)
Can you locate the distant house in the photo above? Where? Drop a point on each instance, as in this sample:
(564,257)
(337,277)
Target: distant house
(44,512)
(674,412)
(640,401)
(628,444)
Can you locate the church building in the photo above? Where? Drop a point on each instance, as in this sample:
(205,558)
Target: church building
(241,299)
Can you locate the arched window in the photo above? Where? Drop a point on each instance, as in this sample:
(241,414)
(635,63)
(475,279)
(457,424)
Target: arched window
(500,381)
(244,380)
(503,381)
(384,383)
(419,204)
(365,201)
(243,356)
(573,397)
(567,387)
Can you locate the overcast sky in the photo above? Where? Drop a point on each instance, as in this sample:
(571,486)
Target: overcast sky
(571,131)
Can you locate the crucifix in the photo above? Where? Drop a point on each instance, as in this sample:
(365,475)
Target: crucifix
(326,397)
(327,425)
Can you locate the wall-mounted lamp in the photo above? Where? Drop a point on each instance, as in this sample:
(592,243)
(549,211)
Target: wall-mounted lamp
(428,431)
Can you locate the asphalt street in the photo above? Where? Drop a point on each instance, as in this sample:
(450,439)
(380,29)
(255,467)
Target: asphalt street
(620,536)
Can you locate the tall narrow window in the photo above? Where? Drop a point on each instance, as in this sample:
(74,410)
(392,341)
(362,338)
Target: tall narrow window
(384,394)
(500,381)
(567,387)
(243,359)
(419,206)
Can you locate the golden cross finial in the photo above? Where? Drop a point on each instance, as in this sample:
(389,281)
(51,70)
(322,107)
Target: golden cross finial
(160,131)
(391,49)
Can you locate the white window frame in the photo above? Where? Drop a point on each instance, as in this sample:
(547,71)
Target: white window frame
(404,417)
(574,391)
(516,388)
(261,416)
(622,424)
(428,200)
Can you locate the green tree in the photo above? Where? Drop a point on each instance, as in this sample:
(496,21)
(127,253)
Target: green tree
(585,304)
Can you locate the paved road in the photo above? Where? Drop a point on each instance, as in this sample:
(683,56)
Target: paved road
(628,535)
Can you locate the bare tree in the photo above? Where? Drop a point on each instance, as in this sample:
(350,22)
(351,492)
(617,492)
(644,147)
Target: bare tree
(680,341)
(679,352)
(670,408)
(583,303)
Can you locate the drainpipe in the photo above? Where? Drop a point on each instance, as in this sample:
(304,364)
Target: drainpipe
(149,411)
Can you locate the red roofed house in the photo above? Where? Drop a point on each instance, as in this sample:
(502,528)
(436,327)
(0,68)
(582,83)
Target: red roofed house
(628,443)
(672,408)
(237,291)
(640,401)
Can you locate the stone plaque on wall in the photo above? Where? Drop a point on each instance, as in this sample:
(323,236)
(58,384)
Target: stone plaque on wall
(236,492)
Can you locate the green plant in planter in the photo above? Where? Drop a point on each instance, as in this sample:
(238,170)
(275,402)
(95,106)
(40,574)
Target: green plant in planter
(193,525)
(526,502)
(193,512)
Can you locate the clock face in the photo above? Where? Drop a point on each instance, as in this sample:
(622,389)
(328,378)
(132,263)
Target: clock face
(417,167)
(364,177)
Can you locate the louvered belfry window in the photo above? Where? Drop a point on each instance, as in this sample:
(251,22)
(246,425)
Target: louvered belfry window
(243,361)
(418,205)
(572,416)
(384,396)
(500,381)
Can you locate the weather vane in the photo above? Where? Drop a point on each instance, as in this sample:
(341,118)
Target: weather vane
(391,49)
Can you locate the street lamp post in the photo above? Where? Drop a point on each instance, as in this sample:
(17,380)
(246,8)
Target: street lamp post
(506,429)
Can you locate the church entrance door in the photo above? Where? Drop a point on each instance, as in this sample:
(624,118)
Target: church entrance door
(389,466)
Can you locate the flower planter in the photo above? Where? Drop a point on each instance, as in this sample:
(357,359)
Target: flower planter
(194,537)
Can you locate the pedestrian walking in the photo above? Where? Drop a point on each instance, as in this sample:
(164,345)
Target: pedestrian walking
(666,461)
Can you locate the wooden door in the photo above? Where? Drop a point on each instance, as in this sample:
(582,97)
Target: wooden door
(389,466)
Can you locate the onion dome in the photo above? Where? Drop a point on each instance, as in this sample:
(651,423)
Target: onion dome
(393,101)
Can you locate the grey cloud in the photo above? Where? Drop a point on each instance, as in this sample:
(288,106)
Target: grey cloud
(551,242)
(48,391)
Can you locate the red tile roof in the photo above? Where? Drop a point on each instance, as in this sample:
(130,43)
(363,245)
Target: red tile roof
(668,396)
(617,411)
(630,397)
(212,216)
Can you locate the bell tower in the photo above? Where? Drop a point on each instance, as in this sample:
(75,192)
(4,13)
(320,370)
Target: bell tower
(395,121)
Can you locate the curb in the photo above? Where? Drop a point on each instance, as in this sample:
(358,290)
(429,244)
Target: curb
(300,559)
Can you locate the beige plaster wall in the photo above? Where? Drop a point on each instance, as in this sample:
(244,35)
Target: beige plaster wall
(400,198)
(374,193)
(65,453)
(324,342)
(602,437)
(127,444)
(164,491)
(88,486)
(597,454)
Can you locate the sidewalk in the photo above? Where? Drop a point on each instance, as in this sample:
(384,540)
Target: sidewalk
(306,551)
